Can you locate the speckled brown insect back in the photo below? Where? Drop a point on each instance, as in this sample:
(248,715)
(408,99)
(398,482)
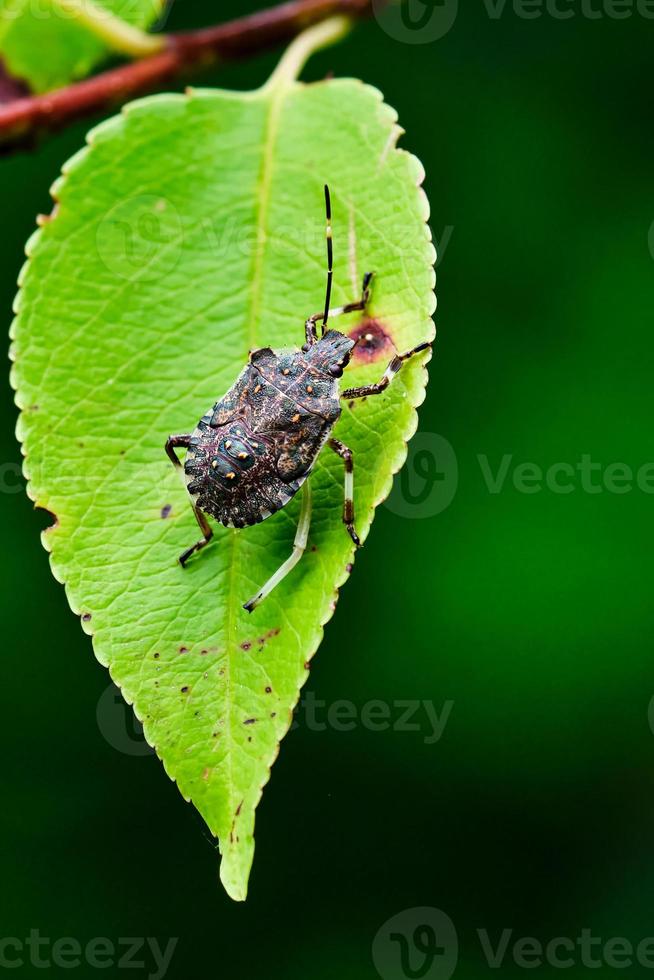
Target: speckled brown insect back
(250,454)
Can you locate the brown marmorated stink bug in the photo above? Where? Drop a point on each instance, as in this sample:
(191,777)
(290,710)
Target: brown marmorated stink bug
(250,454)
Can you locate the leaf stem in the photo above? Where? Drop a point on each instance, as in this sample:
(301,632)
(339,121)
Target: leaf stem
(300,50)
(24,119)
(117,34)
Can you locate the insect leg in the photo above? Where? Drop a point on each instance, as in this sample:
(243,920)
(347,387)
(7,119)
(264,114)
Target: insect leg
(348,502)
(176,442)
(389,374)
(299,545)
(182,442)
(360,304)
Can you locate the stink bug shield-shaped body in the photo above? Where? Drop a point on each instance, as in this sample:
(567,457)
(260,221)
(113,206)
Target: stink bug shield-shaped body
(251,453)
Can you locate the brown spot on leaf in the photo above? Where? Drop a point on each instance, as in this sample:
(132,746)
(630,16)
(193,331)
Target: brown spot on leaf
(249,721)
(156,655)
(183,649)
(373,343)
(261,640)
(206,773)
(246,645)
(269,690)
(184,689)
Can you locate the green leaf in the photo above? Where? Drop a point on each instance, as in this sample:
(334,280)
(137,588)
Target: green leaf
(189,231)
(29,28)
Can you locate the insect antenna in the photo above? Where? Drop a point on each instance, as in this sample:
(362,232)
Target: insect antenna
(330,257)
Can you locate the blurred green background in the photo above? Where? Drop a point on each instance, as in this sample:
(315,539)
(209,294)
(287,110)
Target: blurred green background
(529,613)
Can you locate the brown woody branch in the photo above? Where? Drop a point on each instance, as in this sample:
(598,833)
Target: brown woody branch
(22,119)
(10,88)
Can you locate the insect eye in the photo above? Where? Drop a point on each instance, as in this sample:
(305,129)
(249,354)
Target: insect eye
(335,370)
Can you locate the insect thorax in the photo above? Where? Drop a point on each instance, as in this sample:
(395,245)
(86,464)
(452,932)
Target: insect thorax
(250,454)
